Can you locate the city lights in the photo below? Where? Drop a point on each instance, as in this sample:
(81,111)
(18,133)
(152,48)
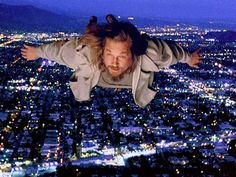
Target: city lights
(189,125)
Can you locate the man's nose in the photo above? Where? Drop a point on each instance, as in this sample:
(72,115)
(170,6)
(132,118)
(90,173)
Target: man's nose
(115,61)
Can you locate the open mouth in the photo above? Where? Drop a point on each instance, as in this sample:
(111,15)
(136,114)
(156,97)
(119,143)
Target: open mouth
(114,68)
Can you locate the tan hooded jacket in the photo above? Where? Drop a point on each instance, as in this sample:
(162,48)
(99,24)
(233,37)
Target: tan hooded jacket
(71,53)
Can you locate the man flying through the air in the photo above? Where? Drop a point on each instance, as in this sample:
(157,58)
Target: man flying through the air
(113,55)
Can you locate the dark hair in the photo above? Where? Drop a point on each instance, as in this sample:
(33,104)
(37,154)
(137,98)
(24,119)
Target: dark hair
(111,19)
(120,31)
(139,43)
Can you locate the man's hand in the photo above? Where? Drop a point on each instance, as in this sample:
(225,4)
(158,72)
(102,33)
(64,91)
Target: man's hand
(195,59)
(29,53)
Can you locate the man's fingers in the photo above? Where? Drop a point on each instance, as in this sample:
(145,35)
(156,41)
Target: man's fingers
(23,50)
(23,53)
(26,46)
(24,57)
(195,66)
(200,62)
(198,58)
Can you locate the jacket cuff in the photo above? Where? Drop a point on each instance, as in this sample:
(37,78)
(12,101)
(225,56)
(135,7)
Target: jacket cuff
(186,59)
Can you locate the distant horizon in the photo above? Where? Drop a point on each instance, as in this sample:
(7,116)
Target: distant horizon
(31,17)
(204,11)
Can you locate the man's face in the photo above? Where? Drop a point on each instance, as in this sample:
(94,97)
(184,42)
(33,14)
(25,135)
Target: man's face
(117,57)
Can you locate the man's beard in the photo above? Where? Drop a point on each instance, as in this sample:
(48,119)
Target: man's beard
(119,77)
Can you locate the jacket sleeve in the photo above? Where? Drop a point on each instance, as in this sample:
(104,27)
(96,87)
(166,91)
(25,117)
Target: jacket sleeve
(62,52)
(165,53)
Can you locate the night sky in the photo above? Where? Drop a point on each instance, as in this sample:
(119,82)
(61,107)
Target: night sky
(194,9)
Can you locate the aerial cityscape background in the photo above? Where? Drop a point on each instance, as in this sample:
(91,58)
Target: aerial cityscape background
(189,129)
(194,9)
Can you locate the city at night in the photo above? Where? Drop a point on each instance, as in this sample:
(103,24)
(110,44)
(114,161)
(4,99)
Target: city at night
(188,128)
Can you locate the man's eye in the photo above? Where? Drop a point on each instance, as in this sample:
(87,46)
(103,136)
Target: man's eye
(122,57)
(108,55)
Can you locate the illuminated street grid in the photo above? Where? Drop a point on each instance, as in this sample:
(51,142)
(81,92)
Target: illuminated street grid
(192,118)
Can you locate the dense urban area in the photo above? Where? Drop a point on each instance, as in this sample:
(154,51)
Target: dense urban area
(189,129)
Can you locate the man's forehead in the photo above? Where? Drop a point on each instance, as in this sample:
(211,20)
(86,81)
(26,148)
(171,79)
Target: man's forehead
(108,49)
(111,44)
(110,40)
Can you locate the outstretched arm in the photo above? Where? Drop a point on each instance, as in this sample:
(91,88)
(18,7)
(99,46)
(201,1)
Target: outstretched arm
(62,52)
(165,53)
